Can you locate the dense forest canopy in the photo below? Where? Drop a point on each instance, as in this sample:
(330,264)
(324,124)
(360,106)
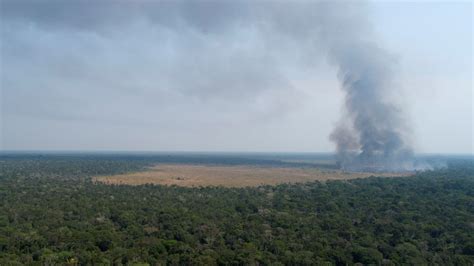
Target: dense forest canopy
(52,213)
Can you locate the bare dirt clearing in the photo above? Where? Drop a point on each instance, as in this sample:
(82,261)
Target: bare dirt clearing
(188,175)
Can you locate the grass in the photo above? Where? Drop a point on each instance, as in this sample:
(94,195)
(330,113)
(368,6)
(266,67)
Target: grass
(189,175)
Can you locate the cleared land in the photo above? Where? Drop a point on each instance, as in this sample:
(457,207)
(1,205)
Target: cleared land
(188,175)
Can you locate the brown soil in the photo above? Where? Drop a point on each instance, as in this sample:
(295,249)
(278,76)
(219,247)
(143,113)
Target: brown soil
(228,176)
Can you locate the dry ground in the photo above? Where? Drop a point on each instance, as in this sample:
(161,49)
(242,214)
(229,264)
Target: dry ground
(228,176)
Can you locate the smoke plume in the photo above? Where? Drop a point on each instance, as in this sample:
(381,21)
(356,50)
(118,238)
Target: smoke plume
(372,133)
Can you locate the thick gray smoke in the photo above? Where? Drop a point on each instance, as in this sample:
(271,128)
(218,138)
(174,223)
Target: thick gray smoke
(371,135)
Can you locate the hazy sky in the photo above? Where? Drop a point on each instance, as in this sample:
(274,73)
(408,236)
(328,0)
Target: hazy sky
(234,76)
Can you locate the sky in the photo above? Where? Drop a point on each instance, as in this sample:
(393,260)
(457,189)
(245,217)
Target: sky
(224,76)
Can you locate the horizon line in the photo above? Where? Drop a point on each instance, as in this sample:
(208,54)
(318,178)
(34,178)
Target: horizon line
(73,151)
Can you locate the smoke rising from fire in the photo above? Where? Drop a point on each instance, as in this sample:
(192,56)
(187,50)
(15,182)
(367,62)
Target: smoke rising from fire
(372,134)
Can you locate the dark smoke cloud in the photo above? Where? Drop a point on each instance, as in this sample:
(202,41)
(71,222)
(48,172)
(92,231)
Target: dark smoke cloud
(372,134)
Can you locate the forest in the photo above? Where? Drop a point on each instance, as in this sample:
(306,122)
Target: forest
(51,213)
